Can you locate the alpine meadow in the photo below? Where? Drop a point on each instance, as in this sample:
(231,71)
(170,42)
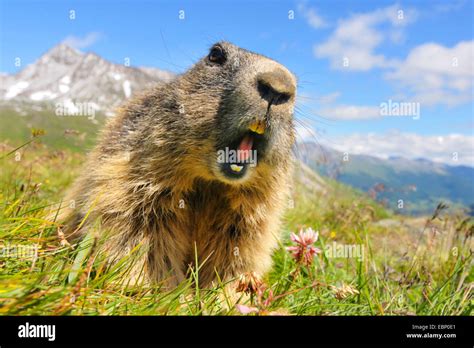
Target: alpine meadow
(351,192)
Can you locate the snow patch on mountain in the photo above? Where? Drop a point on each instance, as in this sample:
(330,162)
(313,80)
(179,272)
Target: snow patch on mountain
(127,89)
(43,95)
(16,89)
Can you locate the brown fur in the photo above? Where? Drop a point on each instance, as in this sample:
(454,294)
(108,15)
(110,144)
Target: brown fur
(153,177)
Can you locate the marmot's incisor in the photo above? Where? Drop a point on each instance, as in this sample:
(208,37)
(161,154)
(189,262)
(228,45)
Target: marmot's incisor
(198,166)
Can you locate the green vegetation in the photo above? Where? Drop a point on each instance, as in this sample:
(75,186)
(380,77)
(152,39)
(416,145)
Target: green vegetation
(75,133)
(420,184)
(408,266)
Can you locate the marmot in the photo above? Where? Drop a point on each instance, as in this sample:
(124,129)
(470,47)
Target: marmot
(198,168)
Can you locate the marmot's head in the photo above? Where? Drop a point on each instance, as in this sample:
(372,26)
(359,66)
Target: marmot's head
(238,112)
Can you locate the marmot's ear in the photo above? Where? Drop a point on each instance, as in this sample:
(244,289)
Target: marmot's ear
(217,54)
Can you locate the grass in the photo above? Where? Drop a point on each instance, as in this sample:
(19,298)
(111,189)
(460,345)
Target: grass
(409,266)
(73,133)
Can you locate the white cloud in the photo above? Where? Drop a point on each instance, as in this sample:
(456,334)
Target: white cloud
(435,74)
(311,16)
(357,37)
(350,112)
(305,132)
(83,42)
(431,74)
(303,98)
(329,98)
(409,145)
(327,108)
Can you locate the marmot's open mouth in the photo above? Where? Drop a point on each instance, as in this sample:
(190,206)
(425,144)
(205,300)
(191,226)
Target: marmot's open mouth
(243,153)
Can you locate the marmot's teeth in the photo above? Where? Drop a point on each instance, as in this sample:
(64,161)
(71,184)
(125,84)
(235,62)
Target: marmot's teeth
(254,126)
(257,127)
(236,168)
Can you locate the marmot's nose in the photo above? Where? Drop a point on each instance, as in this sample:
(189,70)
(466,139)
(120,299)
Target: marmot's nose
(276,87)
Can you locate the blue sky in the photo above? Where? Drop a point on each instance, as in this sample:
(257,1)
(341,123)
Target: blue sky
(402,56)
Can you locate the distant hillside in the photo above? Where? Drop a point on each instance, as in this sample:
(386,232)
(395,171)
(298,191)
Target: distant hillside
(421,184)
(68,132)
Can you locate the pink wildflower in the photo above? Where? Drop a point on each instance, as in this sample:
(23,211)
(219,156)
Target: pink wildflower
(246,309)
(304,250)
(264,300)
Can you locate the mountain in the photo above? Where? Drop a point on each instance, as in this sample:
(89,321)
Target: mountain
(420,183)
(64,74)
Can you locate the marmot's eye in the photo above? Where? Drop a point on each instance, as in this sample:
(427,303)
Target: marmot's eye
(217,55)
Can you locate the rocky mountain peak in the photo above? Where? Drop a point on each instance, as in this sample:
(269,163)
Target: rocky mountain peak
(65,74)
